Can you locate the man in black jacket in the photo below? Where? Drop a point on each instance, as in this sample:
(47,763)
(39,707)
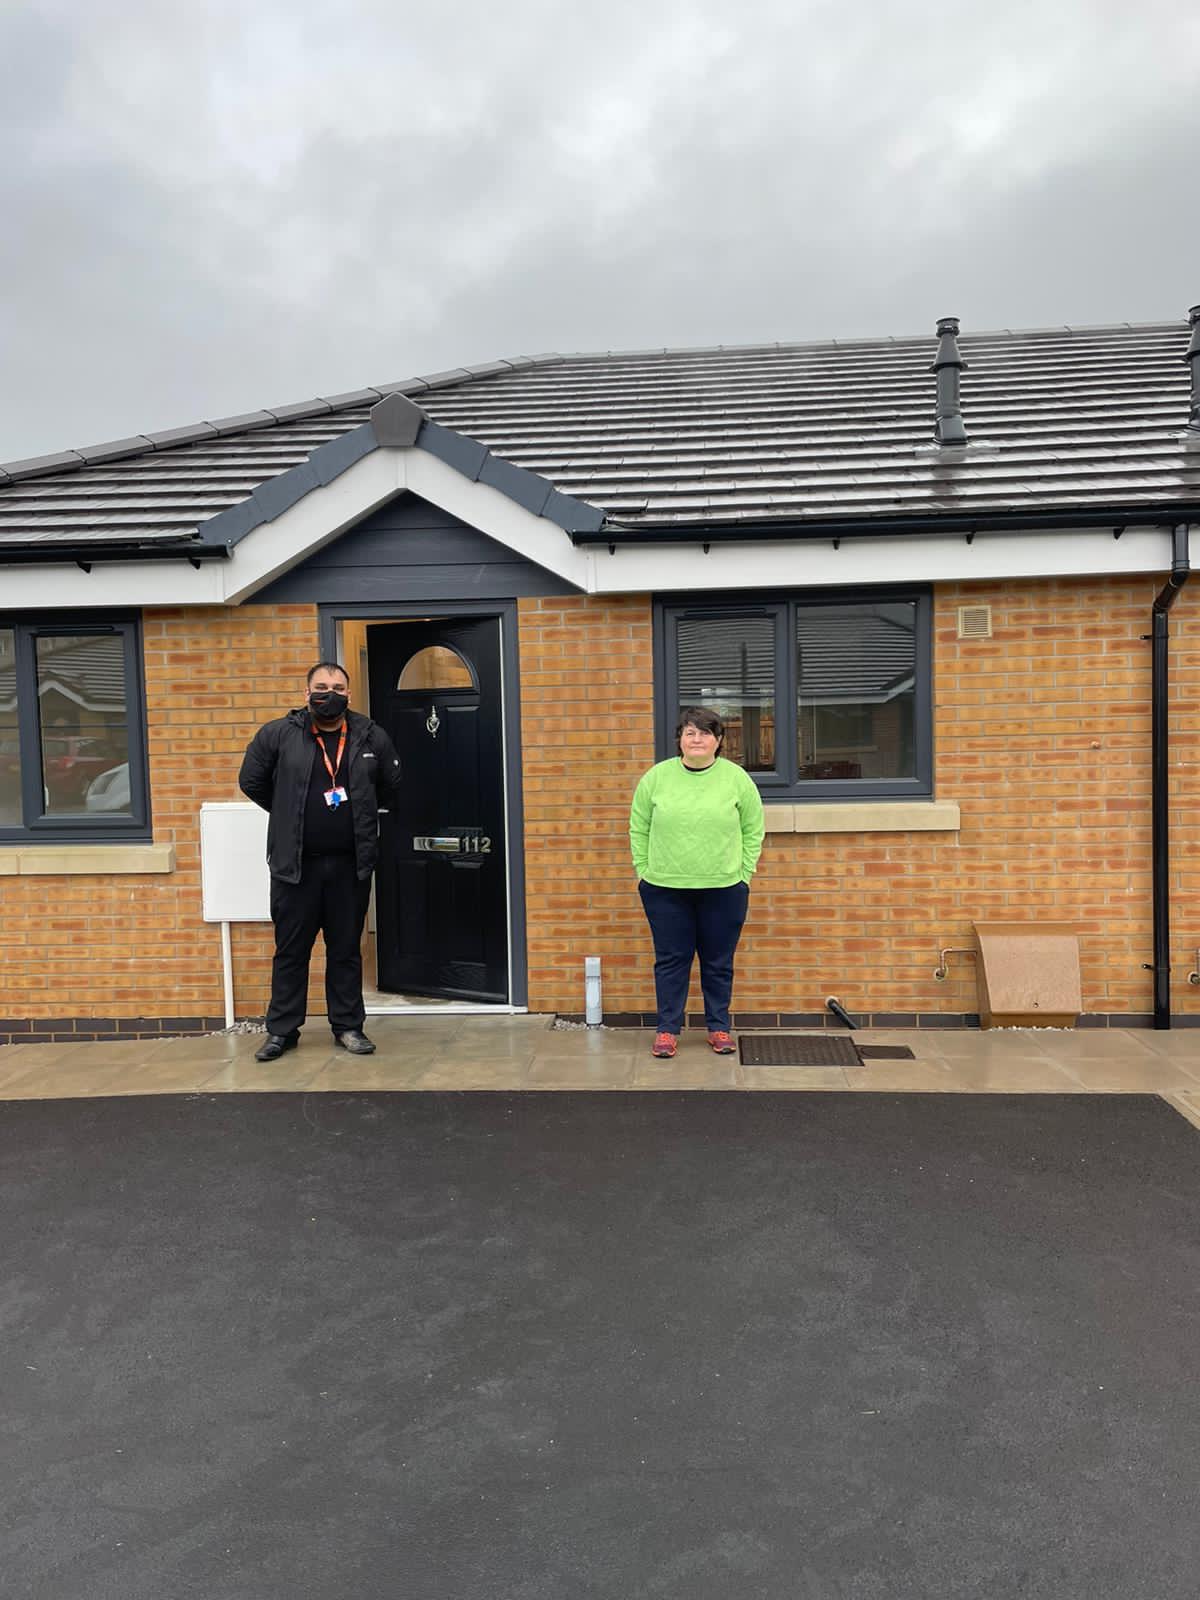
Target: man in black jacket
(321,772)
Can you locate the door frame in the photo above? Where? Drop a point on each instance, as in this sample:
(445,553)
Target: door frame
(505,611)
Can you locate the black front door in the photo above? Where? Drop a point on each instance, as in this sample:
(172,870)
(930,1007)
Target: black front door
(441,885)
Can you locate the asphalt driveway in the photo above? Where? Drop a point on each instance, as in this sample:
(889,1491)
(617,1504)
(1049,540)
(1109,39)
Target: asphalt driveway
(514,1346)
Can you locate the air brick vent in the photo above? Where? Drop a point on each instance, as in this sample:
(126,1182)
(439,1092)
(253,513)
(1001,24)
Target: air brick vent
(975,622)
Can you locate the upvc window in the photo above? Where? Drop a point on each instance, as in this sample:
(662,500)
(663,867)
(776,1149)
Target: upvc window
(823,696)
(72,731)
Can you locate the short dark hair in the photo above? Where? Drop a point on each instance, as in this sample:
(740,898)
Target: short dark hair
(327,666)
(704,719)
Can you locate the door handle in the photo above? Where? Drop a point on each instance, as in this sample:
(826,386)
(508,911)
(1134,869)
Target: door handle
(435,842)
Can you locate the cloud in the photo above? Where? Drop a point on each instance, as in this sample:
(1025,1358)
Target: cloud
(217,207)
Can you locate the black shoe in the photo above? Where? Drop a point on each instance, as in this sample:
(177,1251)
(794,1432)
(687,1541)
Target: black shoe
(357,1043)
(275,1046)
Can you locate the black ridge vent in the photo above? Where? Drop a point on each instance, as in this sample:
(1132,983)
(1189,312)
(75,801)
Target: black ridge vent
(798,1050)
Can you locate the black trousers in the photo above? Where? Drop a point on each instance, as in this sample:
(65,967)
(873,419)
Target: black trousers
(684,923)
(331,900)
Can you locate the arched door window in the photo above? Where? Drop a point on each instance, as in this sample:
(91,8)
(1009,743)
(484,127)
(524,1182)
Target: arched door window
(437,666)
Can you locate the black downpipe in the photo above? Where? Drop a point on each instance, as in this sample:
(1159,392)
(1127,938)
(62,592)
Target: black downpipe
(1160,798)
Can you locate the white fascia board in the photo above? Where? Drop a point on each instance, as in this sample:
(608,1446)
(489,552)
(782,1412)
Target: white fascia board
(113,585)
(274,547)
(859,563)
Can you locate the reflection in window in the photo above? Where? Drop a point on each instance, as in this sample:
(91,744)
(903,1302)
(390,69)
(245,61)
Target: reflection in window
(436,667)
(10,741)
(728,665)
(83,713)
(856,676)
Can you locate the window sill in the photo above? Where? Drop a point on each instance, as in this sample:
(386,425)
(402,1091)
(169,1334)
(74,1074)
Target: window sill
(61,860)
(864,816)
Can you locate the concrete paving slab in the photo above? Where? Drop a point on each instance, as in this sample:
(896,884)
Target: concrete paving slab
(1147,1076)
(686,1072)
(370,1073)
(606,1071)
(455,1072)
(793,1078)
(525,1051)
(1187,1105)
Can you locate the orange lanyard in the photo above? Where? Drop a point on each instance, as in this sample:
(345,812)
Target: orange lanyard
(331,770)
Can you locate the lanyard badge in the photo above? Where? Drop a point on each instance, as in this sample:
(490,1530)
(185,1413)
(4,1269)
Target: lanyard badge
(335,795)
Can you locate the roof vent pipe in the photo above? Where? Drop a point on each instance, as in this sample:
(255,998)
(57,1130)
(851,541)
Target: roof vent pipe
(1193,359)
(948,364)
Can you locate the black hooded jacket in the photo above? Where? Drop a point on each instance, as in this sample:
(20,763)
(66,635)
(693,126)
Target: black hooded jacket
(275,774)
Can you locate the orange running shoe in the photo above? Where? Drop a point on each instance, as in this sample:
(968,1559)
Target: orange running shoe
(664,1045)
(722,1044)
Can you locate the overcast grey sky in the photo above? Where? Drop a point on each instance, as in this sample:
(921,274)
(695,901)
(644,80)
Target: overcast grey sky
(210,208)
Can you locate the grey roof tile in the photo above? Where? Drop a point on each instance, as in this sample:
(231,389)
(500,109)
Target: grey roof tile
(244,423)
(279,494)
(301,408)
(1059,418)
(185,435)
(465,455)
(355,397)
(35,466)
(234,523)
(526,488)
(333,458)
(437,380)
(572,514)
(397,421)
(116,449)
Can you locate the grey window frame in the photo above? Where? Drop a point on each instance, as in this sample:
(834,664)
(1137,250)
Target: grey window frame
(784,783)
(101,827)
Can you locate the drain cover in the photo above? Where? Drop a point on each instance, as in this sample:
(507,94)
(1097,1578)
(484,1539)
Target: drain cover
(798,1050)
(885,1052)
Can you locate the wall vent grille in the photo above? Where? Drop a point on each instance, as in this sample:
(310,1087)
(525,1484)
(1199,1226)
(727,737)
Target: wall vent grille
(974,622)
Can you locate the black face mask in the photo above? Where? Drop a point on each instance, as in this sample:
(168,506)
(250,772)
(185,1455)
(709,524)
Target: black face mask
(328,706)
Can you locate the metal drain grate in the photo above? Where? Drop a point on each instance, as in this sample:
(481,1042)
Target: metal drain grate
(885,1052)
(798,1050)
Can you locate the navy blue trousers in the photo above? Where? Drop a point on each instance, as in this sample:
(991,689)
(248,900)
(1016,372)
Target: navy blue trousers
(686,923)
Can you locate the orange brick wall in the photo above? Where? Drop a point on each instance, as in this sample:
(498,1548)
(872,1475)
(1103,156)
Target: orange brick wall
(1041,734)
(587,735)
(136,946)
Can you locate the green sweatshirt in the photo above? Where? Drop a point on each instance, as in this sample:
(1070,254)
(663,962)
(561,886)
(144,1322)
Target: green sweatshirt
(696,829)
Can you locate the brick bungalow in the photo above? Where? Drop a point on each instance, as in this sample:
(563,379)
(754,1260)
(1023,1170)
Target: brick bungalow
(919,577)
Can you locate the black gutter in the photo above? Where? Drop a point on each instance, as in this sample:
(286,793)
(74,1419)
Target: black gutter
(1160,798)
(87,555)
(928,524)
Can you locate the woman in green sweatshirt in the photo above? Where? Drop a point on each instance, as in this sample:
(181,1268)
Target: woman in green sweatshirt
(696,830)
